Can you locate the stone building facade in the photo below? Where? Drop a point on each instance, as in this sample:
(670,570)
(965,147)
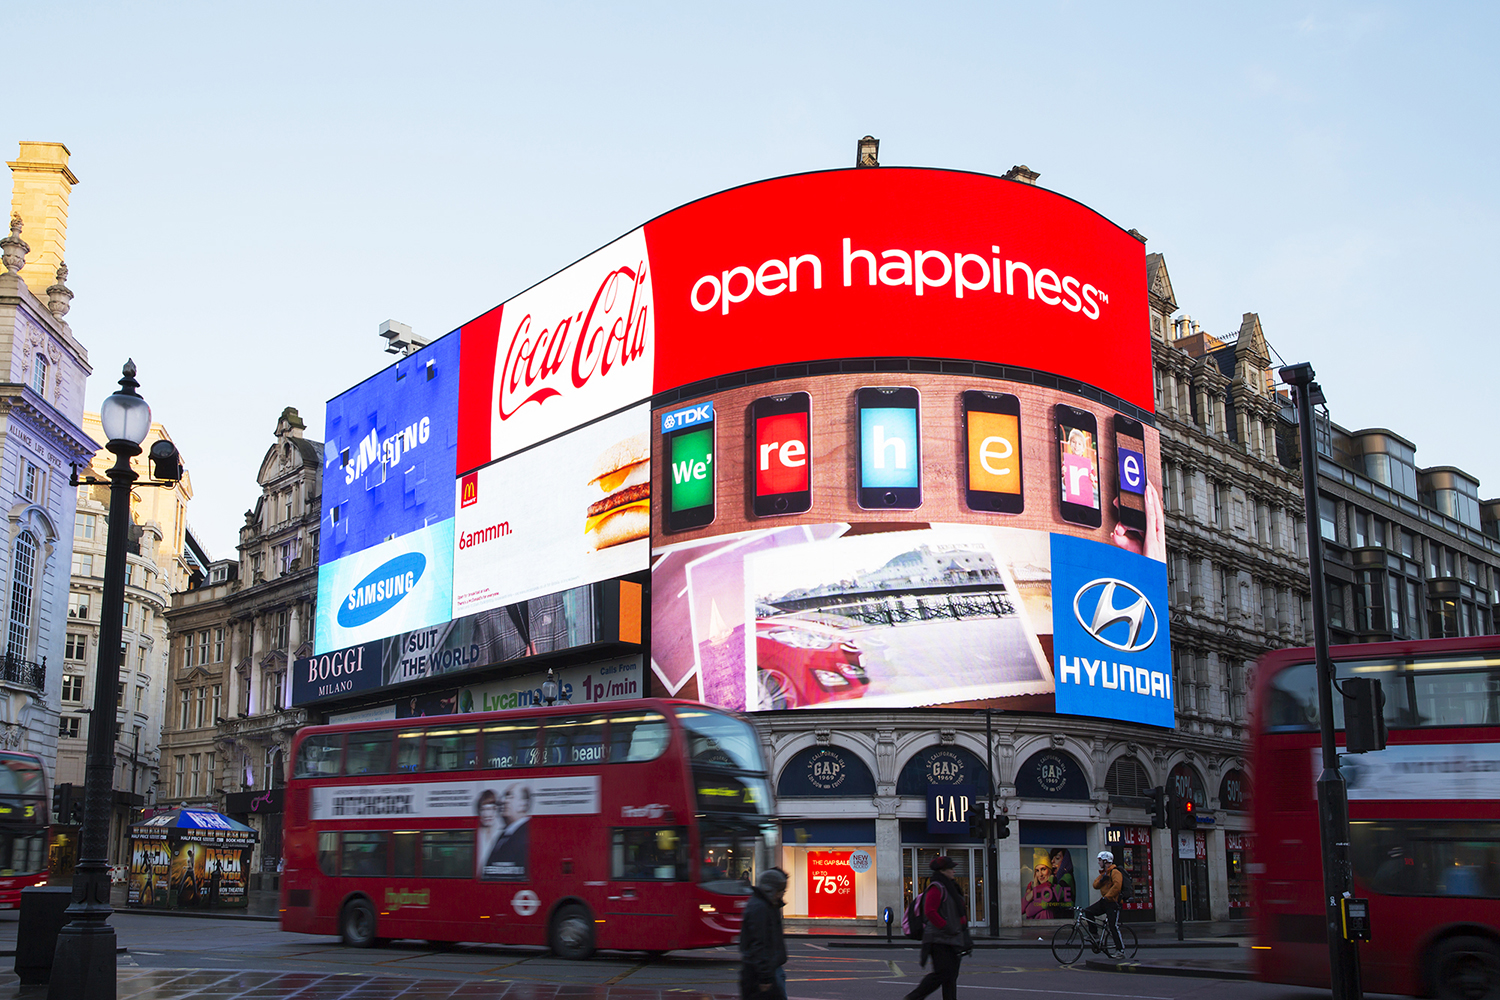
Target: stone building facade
(158,564)
(233,639)
(41,438)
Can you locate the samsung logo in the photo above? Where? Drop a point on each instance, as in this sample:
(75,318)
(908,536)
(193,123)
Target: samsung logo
(1099,610)
(382,590)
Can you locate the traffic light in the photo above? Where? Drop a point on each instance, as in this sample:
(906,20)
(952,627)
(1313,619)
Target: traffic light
(1157,807)
(59,802)
(1364,715)
(1002,827)
(1186,818)
(976,821)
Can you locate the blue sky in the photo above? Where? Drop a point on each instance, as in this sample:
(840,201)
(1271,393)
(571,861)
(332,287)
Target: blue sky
(262,186)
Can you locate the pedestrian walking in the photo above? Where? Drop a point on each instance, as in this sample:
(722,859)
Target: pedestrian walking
(762,948)
(945,938)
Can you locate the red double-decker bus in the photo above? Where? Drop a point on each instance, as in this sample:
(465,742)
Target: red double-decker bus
(637,827)
(1424,818)
(23,825)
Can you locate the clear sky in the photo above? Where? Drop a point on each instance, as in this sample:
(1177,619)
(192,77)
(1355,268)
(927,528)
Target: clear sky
(261,185)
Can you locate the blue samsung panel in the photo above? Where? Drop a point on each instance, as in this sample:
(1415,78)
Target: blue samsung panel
(390,451)
(1109,622)
(397,586)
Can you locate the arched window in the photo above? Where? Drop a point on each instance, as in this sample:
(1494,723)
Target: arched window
(1186,783)
(944,764)
(1127,776)
(39,375)
(23,573)
(275,775)
(825,771)
(1051,774)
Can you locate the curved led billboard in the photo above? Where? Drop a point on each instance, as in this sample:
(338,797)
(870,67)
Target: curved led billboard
(881,437)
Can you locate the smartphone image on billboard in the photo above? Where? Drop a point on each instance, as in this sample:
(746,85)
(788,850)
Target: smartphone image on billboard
(1130,467)
(1078,465)
(781,454)
(992,437)
(688,441)
(890,448)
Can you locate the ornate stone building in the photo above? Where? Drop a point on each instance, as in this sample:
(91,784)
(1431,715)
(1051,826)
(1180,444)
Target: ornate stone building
(41,437)
(233,639)
(157,565)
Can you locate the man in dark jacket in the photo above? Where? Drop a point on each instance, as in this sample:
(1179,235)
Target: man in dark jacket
(945,938)
(762,949)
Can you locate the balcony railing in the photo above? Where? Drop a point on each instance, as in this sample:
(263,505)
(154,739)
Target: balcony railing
(23,673)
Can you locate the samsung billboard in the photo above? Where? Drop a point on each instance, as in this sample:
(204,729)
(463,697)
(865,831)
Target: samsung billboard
(882,438)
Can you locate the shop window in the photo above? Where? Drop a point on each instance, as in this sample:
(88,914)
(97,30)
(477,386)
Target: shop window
(1184,782)
(1234,791)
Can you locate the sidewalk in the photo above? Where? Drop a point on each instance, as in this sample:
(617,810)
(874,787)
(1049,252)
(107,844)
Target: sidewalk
(199,984)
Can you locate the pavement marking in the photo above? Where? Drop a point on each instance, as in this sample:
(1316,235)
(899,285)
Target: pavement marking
(1076,993)
(633,970)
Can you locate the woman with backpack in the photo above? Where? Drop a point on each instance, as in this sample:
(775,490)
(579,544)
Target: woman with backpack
(945,934)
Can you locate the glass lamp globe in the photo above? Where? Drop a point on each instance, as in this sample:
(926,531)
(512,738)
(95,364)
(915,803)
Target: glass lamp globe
(549,688)
(125,415)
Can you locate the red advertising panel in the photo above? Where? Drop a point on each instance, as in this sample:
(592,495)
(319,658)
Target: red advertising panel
(898,262)
(830,884)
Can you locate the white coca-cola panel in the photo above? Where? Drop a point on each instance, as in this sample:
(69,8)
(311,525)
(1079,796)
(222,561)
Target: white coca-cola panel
(564,352)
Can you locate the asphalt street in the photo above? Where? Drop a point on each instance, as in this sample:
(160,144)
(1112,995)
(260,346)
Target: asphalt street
(817,970)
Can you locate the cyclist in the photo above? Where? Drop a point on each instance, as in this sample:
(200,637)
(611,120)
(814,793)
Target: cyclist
(1108,904)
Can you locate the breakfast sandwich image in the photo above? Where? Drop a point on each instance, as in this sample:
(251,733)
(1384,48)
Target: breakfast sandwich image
(622,511)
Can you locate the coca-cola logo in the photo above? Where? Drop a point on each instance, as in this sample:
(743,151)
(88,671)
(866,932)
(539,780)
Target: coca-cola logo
(543,361)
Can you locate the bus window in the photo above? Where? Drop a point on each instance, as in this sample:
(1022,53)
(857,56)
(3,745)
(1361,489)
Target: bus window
(451,750)
(320,756)
(716,738)
(328,852)
(576,740)
(510,744)
(637,736)
(1406,858)
(408,752)
(448,854)
(404,853)
(645,852)
(368,753)
(364,853)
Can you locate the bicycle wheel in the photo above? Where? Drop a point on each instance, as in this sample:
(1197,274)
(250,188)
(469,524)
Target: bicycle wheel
(1067,944)
(1131,943)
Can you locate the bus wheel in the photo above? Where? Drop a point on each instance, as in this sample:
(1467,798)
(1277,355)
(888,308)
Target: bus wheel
(1466,968)
(357,923)
(572,935)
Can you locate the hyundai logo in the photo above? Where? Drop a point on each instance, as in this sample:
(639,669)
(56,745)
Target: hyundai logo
(1106,611)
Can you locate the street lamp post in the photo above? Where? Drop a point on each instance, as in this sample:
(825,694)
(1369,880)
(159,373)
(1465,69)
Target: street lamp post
(1333,794)
(83,966)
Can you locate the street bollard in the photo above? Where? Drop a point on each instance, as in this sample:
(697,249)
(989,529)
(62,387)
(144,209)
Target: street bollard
(43,915)
(887,925)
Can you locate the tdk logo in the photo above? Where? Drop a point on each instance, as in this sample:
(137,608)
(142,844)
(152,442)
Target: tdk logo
(687,417)
(1117,614)
(382,590)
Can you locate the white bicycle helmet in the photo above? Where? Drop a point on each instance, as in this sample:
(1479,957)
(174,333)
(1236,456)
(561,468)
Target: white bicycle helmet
(1106,857)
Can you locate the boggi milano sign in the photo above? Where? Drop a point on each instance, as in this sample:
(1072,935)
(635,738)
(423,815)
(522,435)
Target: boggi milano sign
(882,437)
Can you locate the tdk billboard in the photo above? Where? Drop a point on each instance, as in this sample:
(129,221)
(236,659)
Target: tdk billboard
(386,545)
(1110,633)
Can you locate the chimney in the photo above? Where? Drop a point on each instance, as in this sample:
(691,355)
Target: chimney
(1022,173)
(40,186)
(867,152)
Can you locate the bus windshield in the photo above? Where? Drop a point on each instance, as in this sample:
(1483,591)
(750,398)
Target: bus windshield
(716,739)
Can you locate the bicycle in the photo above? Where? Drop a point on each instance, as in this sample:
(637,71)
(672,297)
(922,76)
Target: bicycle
(1068,942)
